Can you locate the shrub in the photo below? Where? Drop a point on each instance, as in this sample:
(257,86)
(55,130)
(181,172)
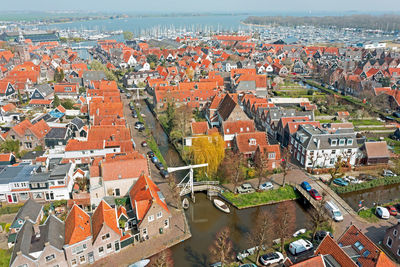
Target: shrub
(366,185)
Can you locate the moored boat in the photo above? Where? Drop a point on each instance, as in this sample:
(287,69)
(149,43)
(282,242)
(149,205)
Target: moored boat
(185,203)
(141,263)
(221,205)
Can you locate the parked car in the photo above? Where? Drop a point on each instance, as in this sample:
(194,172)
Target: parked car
(389,173)
(164,173)
(300,246)
(320,235)
(366,177)
(396,114)
(392,210)
(154,159)
(314,194)
(266,186)
(306,186)
(333,211)
(144,144)
(245,188)
(131,107)
(352,179)
(150,154)
(139,124)
(271,258)
(340,181)
(141,129)
(134,114)
(159,165)
(128,95)
(382,212)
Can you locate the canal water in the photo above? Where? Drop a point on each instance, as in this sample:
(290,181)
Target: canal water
(205,220)
(379,195)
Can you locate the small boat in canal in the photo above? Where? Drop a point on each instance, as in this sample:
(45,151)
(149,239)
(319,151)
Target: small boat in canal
(141,263)
(299,232)
(185,203)
(221,205)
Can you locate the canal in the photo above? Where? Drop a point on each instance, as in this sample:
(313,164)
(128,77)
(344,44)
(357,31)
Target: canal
(379,195)
(205,220)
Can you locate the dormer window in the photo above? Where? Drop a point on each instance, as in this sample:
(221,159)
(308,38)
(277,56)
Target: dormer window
(248,129)
(349,142)
(333,142)
(252,141)
(241,129)
(342,142)
(227,130)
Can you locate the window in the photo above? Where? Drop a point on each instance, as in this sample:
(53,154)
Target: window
(117,192)
(366,253)
(359,246)
(227,130)
(144,231)
(271,155)
(333,152)
(341,142)
(166,223)
(61,182)
(332,161)
(241,129)
(389,242)
(28,144)
(116,246)
(333,142)
(395,232)
(398,251)
(349,142)
(23,196)
(50,257)
(82,259)
(151,218)
(109,247)
(73,262)
(101,250)
(106,236)
(159,215)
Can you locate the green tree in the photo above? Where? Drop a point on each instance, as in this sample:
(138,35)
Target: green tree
(152,58)
(10,146)
(128,35)
(58,75)
(170,112)
(96,65)
(68,104)
(56,101)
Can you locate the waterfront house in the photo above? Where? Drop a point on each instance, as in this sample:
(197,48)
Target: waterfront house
(231,128)
(315,147)
(40,246)
(151,212)
(391,241)
(78,237)
(7,159)
(105,232)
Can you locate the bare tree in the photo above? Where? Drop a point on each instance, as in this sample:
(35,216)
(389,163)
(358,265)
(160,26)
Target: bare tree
(336,171)
(260,236)
(222,248)
(284,222)
(261,162)
(286,155)
(175,190)
(318,215)
(163,259)
(232,168)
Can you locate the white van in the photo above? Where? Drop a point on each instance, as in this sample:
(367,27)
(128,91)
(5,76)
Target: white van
(333,211)
(300,246)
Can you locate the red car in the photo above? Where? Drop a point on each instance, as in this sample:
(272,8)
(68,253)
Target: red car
(315,195)
(392,210)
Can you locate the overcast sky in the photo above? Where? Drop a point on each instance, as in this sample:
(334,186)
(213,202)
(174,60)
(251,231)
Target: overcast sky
(166,6)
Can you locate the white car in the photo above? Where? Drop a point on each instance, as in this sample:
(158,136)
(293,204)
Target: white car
(382,212)
(266,186)
(300,246)
(271,258)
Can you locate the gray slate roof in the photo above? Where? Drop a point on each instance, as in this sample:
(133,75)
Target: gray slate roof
(56,133)
(60,171)
(44,89)
(30,209)
(94,75)
(78,122)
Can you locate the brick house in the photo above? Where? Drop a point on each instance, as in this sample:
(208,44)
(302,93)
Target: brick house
(78,237)
(105,232)
(391,241)
(150,208)
(29,135)
(40,246)
(66,90)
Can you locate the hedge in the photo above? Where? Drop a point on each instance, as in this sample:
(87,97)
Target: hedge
(366,185)
(10,209)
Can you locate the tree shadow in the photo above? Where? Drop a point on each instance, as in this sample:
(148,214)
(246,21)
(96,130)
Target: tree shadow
(196,259)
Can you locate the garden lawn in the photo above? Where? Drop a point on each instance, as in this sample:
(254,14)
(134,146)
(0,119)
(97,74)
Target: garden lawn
(5,256)
(369,215)
(366,122)
(259,198)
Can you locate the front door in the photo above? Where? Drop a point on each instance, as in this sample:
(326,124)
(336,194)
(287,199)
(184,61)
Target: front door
(9,198)
(91,257)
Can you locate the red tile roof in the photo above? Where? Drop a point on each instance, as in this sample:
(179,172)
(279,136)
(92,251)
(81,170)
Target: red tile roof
(329,246)
(200,127)
(5,157)
(236,127)
(131,165)
(316,261)
(352,235)
(143,195)
(77,226)
(8,107)
(104,215)
(21,127)
(243,141)
(46,102)
(40,129)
